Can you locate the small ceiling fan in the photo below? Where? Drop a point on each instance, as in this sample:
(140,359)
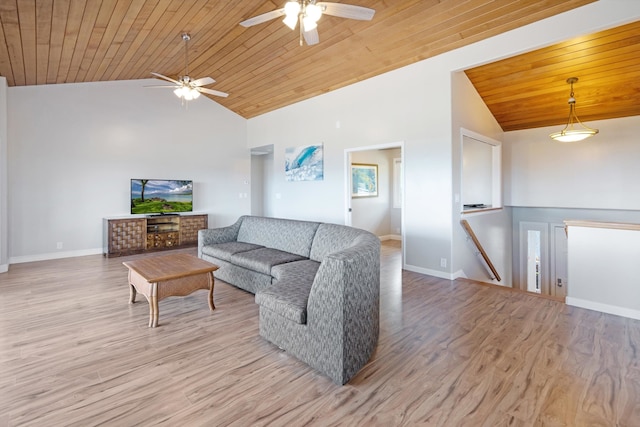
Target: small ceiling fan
(185,88)
(307,13)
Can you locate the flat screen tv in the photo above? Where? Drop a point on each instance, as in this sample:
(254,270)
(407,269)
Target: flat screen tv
(161,196)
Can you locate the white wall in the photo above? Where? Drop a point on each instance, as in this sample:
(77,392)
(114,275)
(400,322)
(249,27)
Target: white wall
(73,149)
(389,108)
(604,269)
(600,172)
(4,176)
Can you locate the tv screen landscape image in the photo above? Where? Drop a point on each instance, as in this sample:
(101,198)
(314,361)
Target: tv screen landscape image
(158,196)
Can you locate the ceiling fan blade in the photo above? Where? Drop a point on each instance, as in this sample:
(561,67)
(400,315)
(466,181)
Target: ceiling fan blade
(161,86)
(203,81)
(347,11)
(169,79)
(262,18)
(311,37)
(212,92)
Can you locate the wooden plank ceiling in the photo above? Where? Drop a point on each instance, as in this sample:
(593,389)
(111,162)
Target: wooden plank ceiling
(530,90)
(263,68)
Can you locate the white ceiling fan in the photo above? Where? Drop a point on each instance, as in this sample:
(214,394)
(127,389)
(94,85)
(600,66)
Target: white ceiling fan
(307,13)
(185,88)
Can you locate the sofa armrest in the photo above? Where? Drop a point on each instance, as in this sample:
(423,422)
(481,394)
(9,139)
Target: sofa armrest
(348,282)
(344,303)
(212,236)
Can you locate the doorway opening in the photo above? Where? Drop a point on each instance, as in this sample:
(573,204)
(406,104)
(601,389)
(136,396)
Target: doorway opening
(380,210)
(261,170)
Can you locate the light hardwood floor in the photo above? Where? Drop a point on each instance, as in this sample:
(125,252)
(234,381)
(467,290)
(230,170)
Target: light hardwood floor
(73,352)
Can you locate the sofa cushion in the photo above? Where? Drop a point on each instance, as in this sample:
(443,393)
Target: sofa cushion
(301,270)
(283,234)
(263,259)
(287,298)
(332,238)
(225,251)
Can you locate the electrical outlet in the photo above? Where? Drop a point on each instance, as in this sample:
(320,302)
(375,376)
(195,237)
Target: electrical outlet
(59,245)
(443,262)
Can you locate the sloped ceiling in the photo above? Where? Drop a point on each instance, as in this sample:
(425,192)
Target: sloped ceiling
(530,90)
(263,68)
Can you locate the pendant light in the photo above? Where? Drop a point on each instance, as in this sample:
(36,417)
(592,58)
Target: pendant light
(569,133)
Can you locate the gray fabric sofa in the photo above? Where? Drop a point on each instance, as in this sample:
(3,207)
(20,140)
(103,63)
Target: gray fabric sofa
(317,284)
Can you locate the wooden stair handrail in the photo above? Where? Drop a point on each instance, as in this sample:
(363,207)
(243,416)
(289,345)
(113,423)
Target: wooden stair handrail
(476,242)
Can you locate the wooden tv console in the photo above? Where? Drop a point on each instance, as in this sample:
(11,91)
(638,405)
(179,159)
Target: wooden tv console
(135,234)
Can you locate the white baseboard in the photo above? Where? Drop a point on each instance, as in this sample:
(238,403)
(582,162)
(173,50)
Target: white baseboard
(460,274)
(54,255)
(4,268)
(604,308)
(429,272)
(390,237)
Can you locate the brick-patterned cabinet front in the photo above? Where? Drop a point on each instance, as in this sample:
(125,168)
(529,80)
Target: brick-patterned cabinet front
(125,236)
(189,226)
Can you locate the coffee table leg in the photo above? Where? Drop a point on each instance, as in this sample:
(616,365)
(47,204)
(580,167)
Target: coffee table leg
(132,290)
(154,312)
(132,293)
(211,283)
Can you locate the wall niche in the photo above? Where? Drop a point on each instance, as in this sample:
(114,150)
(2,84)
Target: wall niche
(481,183)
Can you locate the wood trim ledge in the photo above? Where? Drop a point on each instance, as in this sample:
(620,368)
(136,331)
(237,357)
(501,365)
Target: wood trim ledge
(601,224)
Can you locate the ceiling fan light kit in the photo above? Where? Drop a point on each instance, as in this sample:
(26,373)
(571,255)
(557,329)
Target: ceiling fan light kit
(569,133)
(186,88)
(186,93)
(313,11)
(308,13)
(291,11)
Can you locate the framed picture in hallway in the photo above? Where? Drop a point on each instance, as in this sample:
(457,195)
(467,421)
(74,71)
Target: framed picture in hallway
(364,180)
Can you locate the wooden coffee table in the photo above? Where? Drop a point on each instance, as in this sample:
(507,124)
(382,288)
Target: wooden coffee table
(159,277)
